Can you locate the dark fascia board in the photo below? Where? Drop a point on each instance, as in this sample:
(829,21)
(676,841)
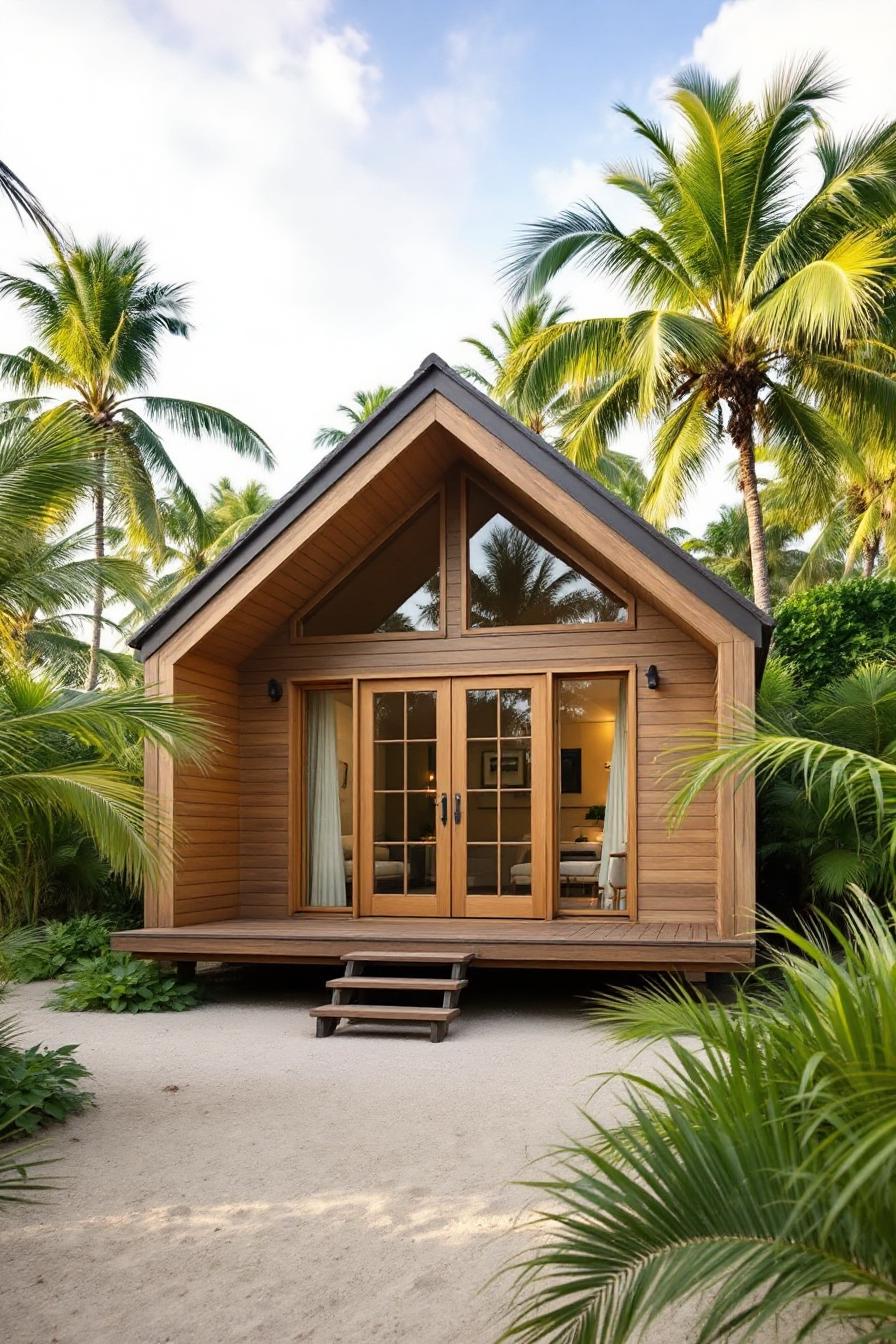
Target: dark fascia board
(434,375)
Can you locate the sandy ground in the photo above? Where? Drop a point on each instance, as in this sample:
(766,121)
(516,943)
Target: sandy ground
(240,1180)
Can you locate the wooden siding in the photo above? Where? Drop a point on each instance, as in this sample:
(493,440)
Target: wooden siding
(207,804)
(677,874)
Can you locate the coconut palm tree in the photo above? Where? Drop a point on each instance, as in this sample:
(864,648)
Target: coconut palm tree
(361,407)
(756,310)
(193,543)
(513,330)
(725,549)
(753,1177)
(517,582)
(47,573)
(100,317)
(75,757)
(24,201)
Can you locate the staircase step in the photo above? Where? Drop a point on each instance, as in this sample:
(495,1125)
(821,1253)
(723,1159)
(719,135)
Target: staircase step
(411,958)
(373,1012)
(394,982)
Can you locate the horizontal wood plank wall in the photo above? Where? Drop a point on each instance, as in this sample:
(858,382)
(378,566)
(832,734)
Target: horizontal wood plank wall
(207,804)
(677,875)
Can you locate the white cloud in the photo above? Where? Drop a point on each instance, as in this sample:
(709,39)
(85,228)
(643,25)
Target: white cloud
(324,237)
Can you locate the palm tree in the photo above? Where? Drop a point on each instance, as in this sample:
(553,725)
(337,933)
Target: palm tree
(24,201)
(361,407)
(191,543)
(100,318)
(75,757)
(47,574)
(514,330)
(517,582)
(754,1178)
(725,549)
(759,311)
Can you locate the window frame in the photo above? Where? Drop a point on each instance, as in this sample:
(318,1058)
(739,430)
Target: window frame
(560,549)
(296,635)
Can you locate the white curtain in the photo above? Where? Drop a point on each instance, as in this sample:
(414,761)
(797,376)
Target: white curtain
(616,817)
(326,870)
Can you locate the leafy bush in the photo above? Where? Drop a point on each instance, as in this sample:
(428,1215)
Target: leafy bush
(38,1086)
(123,984)
(824,633)
(755,1177)
(59,945)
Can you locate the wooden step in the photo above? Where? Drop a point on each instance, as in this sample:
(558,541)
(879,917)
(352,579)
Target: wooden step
(436,1019)
(411,958)
(384,1012)
(394,982)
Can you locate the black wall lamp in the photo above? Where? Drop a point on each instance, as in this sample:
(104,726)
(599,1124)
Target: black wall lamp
(653,677)
(275,691)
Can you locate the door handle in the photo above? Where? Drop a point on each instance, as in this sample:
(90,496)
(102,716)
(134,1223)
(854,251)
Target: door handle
(457,809)
(443,805)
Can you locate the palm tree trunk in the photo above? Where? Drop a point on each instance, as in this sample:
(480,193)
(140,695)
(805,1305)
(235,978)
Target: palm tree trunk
(870,552)
(762,594)
(99,550)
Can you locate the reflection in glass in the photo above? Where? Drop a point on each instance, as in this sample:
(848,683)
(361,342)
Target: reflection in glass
(482,713)
(516,580)
(388,715)
(421,714)
(516,713)
(395,591)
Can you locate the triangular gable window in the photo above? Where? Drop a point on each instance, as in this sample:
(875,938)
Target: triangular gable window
(517,580)
(396,591)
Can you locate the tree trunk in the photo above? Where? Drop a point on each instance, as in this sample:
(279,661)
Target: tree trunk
(99,550)
(742,434)
(870,552)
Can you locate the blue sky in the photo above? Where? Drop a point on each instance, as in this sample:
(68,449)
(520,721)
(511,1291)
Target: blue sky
(339,181)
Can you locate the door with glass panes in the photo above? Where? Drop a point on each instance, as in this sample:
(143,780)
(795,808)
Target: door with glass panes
(453,797)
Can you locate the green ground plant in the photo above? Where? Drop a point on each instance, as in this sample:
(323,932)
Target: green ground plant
(59,945)
(39,1086)
(120,983)
(755,1178)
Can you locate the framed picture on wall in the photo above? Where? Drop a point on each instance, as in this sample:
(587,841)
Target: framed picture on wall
(570,769)
(514,768)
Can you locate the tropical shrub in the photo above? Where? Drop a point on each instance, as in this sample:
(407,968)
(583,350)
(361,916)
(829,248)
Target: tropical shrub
(61,943)
(38,1086)
(757,1176)
(826,632)
(123,984)
(826,774)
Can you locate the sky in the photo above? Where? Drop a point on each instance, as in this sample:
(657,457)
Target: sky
(339,180)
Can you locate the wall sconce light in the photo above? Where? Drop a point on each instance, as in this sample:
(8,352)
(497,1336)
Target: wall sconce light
(653,677)
(275,691)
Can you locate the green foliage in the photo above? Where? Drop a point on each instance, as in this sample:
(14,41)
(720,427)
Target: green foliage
(59,945)
(755,1178)
(38,1086)
(825,768)
(826,632)
(362,406)
(755,313)
(123,984)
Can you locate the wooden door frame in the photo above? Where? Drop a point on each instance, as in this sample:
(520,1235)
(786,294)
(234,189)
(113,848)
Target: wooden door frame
(629,671)
(464,905)
(398,904)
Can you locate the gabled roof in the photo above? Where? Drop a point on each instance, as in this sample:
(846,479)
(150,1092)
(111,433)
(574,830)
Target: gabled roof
(434,375)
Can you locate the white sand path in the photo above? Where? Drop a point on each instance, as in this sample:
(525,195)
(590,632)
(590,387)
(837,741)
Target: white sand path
(354,1189)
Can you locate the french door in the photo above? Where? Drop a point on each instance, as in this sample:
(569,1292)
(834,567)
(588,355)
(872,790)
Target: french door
(453,797)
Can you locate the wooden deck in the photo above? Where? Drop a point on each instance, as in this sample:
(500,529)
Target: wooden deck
(596,944)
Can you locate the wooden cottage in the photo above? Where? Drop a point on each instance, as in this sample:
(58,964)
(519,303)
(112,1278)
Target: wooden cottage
(445,666)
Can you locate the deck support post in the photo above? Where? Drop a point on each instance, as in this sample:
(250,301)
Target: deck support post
(185,970)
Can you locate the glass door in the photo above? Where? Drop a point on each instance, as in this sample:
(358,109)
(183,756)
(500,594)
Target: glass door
(498,799)
(405,834)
